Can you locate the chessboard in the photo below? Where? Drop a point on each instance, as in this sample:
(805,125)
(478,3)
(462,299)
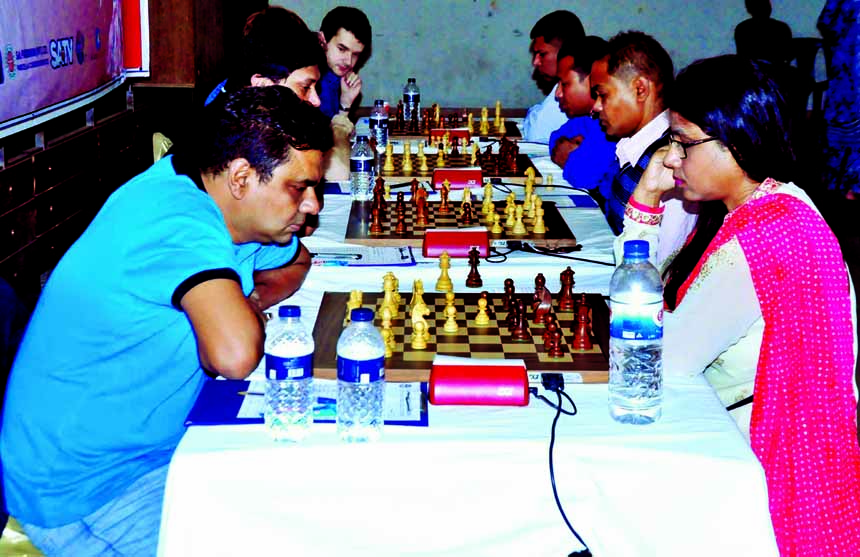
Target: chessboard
(558,234)
(490,341)
(491,165)
(406,132)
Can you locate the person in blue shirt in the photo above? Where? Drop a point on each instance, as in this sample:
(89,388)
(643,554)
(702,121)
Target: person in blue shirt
(579,146)
(346,36)
(167,284)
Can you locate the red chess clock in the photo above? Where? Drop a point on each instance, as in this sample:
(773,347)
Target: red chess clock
(459,178)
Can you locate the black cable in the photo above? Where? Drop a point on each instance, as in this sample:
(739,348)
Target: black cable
(558,412)
(528,248)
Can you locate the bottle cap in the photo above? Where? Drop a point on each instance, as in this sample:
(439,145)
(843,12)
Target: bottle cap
(361,314)
(410,80)
(289,311)
(635,249)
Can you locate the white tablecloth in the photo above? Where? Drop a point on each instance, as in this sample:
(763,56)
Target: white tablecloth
(476,481)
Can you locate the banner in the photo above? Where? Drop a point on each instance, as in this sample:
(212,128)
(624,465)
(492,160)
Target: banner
(56,56)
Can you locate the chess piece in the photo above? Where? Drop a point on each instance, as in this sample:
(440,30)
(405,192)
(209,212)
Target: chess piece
(520,331)
(389,158)
(542,299)
(389,303)
(407,158)
(497,228)
(444,284)
(450,325)
(437,115)
(400,204)
(420,153)
(417,293)
(354,302)
(511,211)
(444,208)
(440,156)
(423,168)
(581,336)
(376,222)
(508,296)
(519,227)
(565,295)
(400,226)
(498,112)
(469,124)
(455,148)
(419,329)
(473,280)
(539,226)
(421,208)
(418,312)
(467,215)
(550,324)
(530,174)
(485,124)
(555,349)
(482,319)
(387,332)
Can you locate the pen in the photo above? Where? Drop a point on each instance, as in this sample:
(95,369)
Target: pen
(338,256)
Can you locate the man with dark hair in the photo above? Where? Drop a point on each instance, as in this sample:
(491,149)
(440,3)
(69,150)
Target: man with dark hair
(168,282)
(547,36)
(630,86)
(579,146)
(277,49)
(346,36)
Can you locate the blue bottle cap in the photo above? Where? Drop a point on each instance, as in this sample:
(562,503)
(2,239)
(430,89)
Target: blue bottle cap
(635,249)
(289,311)
(361,314)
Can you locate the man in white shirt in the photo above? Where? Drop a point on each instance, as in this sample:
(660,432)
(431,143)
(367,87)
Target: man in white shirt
(629,86)
(547,36)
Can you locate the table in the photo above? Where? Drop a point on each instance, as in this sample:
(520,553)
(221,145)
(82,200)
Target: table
(476,481)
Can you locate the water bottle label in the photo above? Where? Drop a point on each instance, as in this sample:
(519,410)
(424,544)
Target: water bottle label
(279,368)
(378,123)
(636,322)
(360,371)
(361,165)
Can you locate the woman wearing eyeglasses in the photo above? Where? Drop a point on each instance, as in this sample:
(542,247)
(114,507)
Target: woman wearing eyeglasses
(759,300)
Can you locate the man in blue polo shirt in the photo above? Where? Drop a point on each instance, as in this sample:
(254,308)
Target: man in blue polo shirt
(169,280)
(579,146)
(346,36)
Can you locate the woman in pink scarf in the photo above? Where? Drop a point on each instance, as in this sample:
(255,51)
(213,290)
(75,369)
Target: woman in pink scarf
(768,291)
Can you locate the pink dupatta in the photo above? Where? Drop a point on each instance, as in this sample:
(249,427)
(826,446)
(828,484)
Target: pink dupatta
(803,427)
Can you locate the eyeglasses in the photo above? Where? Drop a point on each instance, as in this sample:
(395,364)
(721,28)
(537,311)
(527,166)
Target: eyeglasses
(686,145)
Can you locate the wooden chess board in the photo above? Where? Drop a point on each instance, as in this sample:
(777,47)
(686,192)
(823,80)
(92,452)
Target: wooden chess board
(558,234)
(491,167)
(491,341)
(511,130)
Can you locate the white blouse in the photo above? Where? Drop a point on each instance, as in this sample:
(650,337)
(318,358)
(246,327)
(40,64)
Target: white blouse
(718,328)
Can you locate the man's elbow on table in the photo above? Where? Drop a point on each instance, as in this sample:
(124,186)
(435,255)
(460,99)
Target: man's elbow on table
(233,362)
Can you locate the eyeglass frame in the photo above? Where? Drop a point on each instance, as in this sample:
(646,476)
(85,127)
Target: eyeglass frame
(684,145)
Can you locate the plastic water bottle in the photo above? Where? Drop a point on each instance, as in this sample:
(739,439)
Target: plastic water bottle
(411,100)
(636,338)
(360,379)
(361,169)
(379,125)
(289,377)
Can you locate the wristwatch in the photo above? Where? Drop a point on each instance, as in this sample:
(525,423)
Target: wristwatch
(344,108)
